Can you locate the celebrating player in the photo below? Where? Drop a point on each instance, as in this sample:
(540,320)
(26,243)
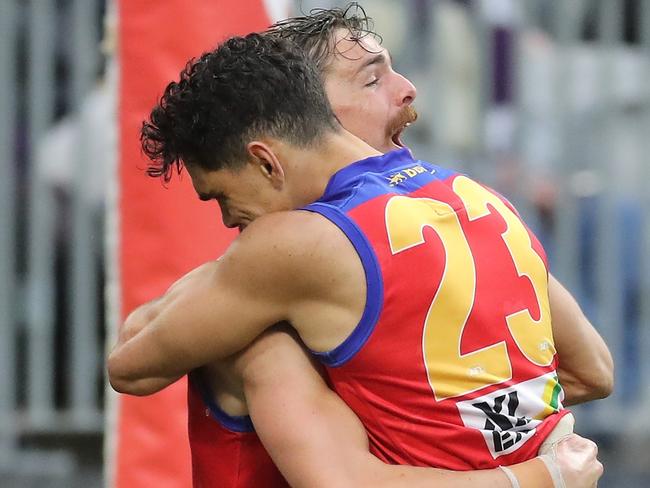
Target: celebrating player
(278,164)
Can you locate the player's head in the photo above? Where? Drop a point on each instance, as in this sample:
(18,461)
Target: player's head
(226,112)
(248,88)
(369,98)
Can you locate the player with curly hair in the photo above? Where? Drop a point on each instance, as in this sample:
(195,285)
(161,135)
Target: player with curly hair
(277,108)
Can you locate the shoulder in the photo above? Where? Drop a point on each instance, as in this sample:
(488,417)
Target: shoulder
(288,238)
(295,248)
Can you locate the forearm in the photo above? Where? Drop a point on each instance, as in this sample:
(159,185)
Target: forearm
(369,471)
(120,376)
(211,313)
(333,452)
(145,359)
(142,387)
(317,441)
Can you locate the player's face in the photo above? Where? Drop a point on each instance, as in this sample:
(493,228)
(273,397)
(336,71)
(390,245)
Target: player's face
(243,194)
(369,98)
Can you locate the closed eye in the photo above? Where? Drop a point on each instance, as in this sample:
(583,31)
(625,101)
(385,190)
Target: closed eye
(206,197)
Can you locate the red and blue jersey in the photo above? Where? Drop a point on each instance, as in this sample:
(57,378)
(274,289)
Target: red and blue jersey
(452,364)
(226,451)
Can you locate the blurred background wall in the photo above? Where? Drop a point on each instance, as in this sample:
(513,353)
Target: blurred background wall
(546,100)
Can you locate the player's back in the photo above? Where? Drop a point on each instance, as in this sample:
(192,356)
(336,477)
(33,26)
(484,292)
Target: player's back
(452,363)
(226,451)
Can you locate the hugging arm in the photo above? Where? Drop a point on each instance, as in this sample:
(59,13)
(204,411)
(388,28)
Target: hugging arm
(209,314)
(317,441)
(221,307)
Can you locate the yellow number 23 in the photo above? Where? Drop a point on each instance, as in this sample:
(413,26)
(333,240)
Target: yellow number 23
(452,373)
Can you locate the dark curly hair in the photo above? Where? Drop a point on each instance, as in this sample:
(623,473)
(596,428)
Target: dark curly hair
(248,87)
(315,32)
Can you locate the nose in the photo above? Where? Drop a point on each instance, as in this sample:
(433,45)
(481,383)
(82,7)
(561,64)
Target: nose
(226,217)
(407,91)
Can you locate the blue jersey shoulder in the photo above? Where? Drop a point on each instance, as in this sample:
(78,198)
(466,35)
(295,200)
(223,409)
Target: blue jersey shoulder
(392,173)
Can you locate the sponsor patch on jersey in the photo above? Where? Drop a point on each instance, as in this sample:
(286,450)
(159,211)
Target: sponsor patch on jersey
(507,418)
(401,176)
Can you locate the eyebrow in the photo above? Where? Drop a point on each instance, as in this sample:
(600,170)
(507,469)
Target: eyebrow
(376,59)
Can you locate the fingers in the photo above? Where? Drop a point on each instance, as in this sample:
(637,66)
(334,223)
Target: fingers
(574,442)
(599,469)
(576,458)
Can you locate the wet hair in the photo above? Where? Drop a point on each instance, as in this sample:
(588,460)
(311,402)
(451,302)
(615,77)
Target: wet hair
(247,87)
(316,32)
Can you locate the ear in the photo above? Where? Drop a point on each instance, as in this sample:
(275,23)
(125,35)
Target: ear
(264,157)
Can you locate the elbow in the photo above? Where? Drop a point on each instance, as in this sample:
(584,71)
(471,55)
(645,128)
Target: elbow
(129,382)
(116,377)
(593,389)
(603,386)
(130,387)
(120,385)
(600,384)
(606,390)
(594,383)
(121,381)
(127,387)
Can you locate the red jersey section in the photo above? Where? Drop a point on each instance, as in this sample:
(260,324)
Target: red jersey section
(223,458)
(457,370)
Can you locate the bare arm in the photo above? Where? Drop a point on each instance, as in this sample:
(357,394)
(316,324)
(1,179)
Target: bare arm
(316,440)
(276,269)
(586,368)
(211,313)
(133,325)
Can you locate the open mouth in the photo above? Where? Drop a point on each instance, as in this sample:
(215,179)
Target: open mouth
(397,136)
(404,119)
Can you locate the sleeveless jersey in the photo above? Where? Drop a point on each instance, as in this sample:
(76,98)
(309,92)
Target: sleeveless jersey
(226,452)
(452,364)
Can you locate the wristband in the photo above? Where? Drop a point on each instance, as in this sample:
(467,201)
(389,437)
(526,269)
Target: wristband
(553,469)
(511,476)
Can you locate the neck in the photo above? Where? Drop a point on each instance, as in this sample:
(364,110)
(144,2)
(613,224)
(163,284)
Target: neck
(312,168)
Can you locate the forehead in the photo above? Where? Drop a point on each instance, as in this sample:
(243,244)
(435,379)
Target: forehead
(351,54)
(207,184)
(200,178)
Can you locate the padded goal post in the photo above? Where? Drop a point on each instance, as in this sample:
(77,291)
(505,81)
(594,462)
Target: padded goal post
(162,231)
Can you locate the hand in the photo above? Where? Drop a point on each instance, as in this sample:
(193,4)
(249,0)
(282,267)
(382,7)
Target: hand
(576,459)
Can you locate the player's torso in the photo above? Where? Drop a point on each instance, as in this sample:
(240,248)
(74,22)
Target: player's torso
(226,452)
(453,363)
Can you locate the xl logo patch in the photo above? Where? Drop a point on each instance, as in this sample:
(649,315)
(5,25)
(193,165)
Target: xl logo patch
(508,431)
(507,418)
